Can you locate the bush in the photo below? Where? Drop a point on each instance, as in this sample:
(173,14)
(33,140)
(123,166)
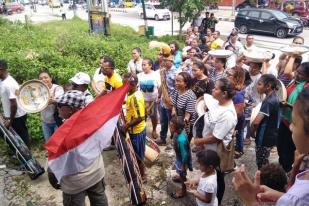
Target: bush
(64,48)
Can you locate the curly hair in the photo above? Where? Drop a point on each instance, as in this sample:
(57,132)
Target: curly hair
(273,176)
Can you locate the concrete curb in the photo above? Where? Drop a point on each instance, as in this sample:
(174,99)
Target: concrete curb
(117,10)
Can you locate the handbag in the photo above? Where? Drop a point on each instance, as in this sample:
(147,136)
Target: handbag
(226,154)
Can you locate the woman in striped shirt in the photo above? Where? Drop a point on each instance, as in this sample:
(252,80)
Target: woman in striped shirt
(184,100)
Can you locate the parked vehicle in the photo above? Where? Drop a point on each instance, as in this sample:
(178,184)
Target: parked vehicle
(299,8)
(15,7)
(252,4)
(54,3)
(5,10)
(43,2)
(267,21)
(155,11)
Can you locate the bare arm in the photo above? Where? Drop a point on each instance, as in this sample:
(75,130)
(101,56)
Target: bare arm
(256,122)
(289,67)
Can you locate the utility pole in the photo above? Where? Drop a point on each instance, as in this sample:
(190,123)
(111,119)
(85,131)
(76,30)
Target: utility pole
(145,17)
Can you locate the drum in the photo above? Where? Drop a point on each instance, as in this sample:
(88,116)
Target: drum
(152,150)
(282,93)
(255,112)
(33,96)
(200,106)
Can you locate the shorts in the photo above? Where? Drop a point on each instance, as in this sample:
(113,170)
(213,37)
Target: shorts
(151,109)
(139,142)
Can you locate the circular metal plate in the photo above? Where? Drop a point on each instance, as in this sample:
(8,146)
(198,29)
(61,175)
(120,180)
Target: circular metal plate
(220,53)
(33,96)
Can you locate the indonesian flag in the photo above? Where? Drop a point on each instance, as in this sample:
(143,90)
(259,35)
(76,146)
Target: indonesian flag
(81,138)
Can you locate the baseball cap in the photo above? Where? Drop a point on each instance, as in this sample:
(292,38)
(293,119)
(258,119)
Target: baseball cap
(81,78)
(73,98)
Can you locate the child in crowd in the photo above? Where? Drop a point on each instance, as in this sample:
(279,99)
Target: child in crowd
(252,193)
(135,120)
(205,189)
(183,154)
(266,124)
(273,176)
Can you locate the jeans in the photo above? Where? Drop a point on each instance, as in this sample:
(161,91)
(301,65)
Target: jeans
(240,140)
(165,117)
(96,195)
(48,129)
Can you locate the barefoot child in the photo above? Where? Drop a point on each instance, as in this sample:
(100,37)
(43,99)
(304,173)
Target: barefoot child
(205,189)
(266,124)
(183,154)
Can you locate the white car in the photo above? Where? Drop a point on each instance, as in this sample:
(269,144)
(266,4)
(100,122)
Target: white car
(155,11)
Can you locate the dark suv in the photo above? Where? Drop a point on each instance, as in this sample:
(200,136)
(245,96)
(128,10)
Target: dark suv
(268,21)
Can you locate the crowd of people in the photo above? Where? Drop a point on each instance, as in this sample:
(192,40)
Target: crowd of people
(166,90)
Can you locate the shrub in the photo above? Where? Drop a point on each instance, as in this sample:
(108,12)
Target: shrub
(64,48)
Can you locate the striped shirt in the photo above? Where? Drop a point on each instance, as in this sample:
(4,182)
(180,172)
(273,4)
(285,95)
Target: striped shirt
(214,75)
(185,103)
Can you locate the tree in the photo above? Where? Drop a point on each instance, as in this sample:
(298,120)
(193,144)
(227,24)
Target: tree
(187,9)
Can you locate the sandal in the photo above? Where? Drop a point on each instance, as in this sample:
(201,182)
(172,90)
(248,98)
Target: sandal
(176,195)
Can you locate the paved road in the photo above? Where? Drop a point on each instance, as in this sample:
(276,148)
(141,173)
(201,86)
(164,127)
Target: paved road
(129,17)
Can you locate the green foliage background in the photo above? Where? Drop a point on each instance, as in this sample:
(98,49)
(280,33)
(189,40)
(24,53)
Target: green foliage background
(64,48)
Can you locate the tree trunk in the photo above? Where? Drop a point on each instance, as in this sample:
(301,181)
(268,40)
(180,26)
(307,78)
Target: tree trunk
(180,23)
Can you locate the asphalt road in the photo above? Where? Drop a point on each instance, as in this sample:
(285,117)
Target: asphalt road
(129,17)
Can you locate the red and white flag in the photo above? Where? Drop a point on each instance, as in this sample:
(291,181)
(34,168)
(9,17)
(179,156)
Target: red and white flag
(81,138)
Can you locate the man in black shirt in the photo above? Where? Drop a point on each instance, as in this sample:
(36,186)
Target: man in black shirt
(204,25)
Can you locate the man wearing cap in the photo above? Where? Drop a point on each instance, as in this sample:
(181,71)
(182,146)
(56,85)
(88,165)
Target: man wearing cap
(167,75)
(14,115)
(112,80)
(80,82)
(89,181)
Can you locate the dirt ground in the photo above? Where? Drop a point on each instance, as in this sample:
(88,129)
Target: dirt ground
(18,189)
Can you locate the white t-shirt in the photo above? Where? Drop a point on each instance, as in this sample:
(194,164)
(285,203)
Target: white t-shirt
(98,76)
(8,90)
(149,84)
(220,121)
(135,66)
(208,185)
(88,97)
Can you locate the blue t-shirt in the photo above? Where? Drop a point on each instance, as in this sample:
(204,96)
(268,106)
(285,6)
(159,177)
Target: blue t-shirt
(267,131)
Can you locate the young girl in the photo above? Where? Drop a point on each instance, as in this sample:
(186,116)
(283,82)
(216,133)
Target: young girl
(48,118)
(183,154)
(205,189)
(265,126)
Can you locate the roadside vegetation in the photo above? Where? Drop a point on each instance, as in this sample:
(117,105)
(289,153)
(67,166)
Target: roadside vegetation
(64,48)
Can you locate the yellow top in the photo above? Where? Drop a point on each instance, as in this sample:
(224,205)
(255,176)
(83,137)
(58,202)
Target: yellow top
(217,44)
(135,108)
(113,83)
